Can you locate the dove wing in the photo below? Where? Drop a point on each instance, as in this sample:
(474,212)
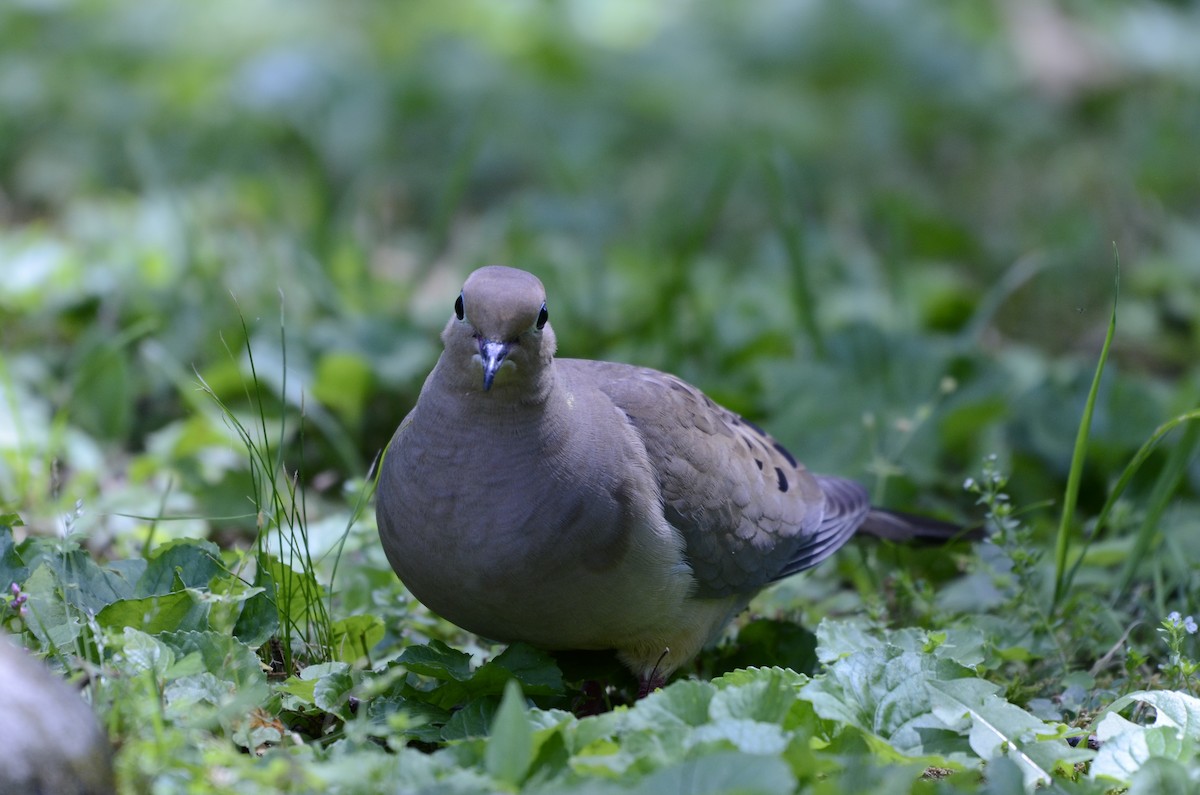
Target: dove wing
(749,512)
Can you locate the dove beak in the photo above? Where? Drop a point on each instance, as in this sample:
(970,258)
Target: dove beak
(493,354)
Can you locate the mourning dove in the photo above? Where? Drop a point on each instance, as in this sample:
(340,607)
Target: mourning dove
(576,504)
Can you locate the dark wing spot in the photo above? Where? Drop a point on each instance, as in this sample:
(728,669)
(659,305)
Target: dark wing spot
(756,429)
(783,482)
(757,461)
(783,452)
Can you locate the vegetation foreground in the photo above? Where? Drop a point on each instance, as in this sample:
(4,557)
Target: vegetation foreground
(229,235)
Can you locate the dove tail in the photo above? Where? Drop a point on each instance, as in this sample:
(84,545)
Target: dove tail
(906,527)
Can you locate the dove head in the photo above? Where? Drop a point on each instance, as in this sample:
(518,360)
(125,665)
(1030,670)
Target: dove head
(499,333)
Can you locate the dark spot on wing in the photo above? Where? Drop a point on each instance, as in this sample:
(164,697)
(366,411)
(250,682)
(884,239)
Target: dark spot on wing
(756,429)
(757,461)
(783,482)
(783,452)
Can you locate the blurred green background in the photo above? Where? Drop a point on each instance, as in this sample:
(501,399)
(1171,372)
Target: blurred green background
(883,229)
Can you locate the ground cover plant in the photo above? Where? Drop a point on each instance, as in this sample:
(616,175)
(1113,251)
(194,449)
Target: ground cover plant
(950,250)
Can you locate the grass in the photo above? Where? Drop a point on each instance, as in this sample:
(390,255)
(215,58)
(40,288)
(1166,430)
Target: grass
(874,231)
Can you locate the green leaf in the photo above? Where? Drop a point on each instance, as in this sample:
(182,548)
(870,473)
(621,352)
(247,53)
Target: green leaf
(1125,747)
(353,637)
(884,693)
(767,697)
(87,585)
(194,561)
(1161,776)
(438,660)
(719,773)
(509,751)
(181,610)
(224,656)
(182,695)
(12,568)
(749,736)
(49,617)
(682,703)
(1172,708)
(140,652)
(837,639)
(998,728)
(534,669)
(333,685)
(473,719)
(259,618)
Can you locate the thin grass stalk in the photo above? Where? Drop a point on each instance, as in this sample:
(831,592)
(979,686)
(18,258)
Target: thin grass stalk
(1164,488)
(1127,475)
(1075,475)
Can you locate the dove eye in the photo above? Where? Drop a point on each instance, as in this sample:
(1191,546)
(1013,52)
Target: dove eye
(458,307)
(543,316)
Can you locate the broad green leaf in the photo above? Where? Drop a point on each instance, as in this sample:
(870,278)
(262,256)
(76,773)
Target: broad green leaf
(141,652)
(438,660)
(181,610)
(717,773)
(1126,747)
(48,616)
(194,561)
(682,703)
(473,719)
(333,685)
(182,695)
(303,690)
(1171,708)
(767,697)
(224,656)
(353,637)
(12,568)
(1162,776)
(748,736)
(510,750)
(884,693)
(259,618)
(837,639)
(534,669)
(86,584)
(998,728)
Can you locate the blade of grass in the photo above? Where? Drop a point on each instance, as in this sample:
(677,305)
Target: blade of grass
(1075,475)
(1160,496)
(279,500)
(1184,451)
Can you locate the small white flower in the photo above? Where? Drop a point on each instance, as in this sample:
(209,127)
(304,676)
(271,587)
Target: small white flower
(1189,624)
